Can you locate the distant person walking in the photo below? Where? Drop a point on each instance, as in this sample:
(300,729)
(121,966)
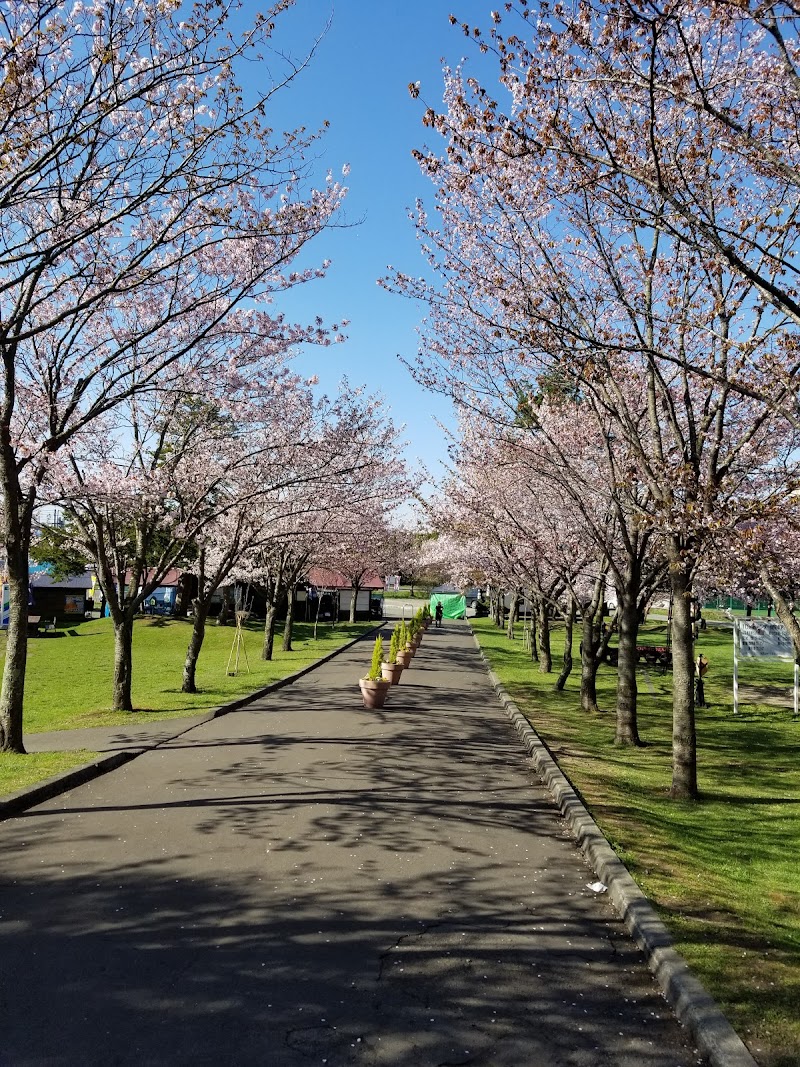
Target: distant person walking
(439,613)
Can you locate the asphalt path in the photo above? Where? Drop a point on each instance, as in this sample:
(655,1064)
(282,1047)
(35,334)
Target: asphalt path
(306,882)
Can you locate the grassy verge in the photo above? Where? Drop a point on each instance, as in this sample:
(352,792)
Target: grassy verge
(19,772)
(69,679)
(724,873)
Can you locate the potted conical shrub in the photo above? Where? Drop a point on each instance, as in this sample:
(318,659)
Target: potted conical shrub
(404,652)
(414,634)
(392,669)
(373,687)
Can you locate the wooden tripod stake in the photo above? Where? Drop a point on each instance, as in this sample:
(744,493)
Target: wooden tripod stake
(238,646)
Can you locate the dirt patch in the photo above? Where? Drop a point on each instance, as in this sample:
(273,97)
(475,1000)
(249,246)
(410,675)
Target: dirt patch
(774,696)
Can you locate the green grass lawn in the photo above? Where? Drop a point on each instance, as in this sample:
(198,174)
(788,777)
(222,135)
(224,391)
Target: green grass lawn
(69,679)
(421,592)
(738,613)
(20,772)
(723,873)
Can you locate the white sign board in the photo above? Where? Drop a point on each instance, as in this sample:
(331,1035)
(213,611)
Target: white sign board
(765,639)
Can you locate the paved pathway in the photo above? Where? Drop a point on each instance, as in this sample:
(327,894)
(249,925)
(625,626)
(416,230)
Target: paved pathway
(305,882)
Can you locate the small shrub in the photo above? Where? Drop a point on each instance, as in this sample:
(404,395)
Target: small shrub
(375,672)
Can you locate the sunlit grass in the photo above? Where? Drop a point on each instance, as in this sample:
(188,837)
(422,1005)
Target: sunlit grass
(21,772)
(723,873)
(69,679)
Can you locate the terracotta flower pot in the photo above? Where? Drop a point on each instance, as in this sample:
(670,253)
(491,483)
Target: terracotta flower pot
(404,657)
(373,693)
(391,672)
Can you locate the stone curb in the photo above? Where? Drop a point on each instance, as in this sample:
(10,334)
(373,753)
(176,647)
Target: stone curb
(23,799)
(62,783)
(690,1001)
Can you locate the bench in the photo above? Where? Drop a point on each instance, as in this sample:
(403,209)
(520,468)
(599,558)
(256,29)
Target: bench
(655,656)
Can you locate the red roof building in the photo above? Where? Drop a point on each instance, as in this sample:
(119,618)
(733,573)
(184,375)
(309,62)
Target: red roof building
(325,579)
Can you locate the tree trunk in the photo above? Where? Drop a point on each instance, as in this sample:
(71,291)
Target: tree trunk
(545,656)
(627,692)
(18,515)
(226,609)
(353,600)
(534,644)
(195,644)
(123,662)
(13,690)
(569,623)
(183,601)
(590,642)
(512,616)
(684,739)
(783,611)
(289,625)
(588,665)
(273,596)
(269,630)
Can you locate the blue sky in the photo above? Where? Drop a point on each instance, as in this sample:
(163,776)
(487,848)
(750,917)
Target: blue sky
(358,81)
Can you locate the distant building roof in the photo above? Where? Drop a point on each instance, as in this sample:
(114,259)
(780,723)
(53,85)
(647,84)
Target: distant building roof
(172,577)
(42,580)
(325,579)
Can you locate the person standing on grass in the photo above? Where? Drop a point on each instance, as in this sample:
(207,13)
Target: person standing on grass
(700,669)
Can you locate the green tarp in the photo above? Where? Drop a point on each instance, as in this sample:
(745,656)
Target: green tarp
(454,605)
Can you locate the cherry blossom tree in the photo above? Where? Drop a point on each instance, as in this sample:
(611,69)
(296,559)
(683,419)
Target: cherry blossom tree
(143,203)
(292,450)
(550,282)
(354,459)
(262,493)
(236,483)
(545,502)
(138,499)
(577,456)
(686,116)
(359,548)
(276,568)
(405,554)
